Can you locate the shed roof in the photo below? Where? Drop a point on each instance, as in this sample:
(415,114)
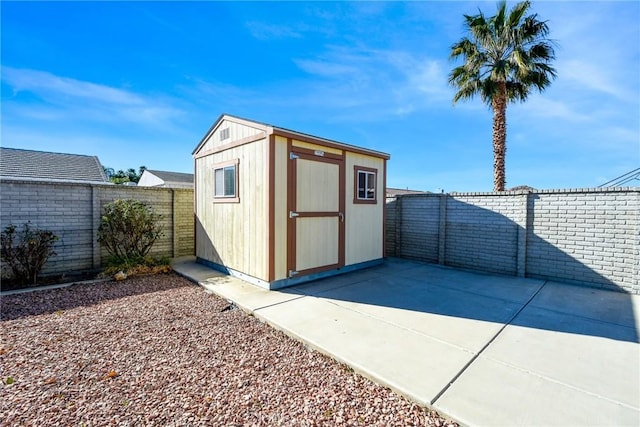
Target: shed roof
(44,165)
(271,129)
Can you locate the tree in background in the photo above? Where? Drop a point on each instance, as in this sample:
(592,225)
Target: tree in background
(505,56)
(121,176)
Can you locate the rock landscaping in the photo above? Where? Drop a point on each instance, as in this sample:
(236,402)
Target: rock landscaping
(158,350)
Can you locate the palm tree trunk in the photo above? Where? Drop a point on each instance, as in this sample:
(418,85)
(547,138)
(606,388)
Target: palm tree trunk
(499,137)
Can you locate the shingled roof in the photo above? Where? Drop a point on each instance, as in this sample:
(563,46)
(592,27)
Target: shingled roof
(43,165)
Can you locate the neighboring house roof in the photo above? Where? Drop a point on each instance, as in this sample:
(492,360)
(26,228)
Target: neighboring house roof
(43,165)
(270,129)
(153,178)
(393,192)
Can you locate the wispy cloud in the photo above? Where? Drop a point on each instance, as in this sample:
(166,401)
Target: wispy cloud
(542,106)
(60,97)
(264,31)
(590,76)
(385,81)
(50,86)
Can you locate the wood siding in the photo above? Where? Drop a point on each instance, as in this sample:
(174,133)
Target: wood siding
(314,147)
(316,242)
(280,208)
(364,231)
(317,186)
(236,131)
(235,234)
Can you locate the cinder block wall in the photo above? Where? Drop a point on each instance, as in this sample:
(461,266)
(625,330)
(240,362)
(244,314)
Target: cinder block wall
(63,209)
(583,236)
(391,222)
(599,229)
(72,211)
(419,232)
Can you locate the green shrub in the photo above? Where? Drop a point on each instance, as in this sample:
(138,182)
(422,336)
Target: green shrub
(26,251)
(128,230)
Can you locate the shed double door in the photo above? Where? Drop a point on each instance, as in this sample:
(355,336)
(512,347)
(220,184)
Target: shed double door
(316,205)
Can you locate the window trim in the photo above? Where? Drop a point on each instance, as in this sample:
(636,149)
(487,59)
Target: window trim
(223,165)
(356,175)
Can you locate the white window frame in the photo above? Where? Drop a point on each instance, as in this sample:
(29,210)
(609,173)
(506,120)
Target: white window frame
(226,198)
(371,176)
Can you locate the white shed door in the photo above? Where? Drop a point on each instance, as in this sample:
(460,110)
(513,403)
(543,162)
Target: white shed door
(316,212)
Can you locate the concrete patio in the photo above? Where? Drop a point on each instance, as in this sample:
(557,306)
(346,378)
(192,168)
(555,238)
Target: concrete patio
(481,349)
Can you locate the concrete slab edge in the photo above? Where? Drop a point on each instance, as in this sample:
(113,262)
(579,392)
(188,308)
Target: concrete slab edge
(356,367)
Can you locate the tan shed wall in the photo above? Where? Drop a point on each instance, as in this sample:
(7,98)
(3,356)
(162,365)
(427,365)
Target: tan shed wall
(237,131)
(314,147)
(281,214)
(364,234)
(234,234)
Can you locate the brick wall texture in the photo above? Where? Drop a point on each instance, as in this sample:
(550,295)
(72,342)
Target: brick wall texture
(72,211)
(583,236)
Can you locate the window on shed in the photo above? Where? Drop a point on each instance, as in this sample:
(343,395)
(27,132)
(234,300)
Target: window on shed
(225,182)
(224,134)
(365,185)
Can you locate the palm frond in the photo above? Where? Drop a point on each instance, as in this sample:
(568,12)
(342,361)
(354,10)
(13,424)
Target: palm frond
(504,58)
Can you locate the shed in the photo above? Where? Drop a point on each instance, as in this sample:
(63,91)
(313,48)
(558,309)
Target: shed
(277,207)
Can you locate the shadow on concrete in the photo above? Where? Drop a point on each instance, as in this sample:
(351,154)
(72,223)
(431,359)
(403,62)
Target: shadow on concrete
(444,291)
(569,296)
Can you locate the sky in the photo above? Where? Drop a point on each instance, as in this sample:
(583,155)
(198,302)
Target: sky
(140,83)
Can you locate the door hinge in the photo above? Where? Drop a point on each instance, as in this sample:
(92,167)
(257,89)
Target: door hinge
(293,156)
(292,273)
(293,214)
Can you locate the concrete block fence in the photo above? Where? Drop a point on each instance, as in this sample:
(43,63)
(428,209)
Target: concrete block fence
(73,211)
(583,236)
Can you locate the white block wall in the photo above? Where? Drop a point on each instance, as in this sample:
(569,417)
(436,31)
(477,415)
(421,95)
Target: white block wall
(72,211)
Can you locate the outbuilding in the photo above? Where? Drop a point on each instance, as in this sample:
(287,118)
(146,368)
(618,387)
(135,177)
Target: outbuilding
(277,207)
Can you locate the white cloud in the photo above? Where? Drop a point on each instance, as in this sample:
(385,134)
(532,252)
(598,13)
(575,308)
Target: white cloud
(49,85)
(542,106)
(325,68)
(383,81)
(263,31)
(63,97)
(587,75)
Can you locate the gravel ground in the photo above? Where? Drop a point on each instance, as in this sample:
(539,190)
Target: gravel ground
(158,350)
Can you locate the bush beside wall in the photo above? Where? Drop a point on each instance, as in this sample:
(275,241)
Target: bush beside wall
(72,211)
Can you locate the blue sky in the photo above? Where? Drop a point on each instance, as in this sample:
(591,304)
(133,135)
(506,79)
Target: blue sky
(139,83)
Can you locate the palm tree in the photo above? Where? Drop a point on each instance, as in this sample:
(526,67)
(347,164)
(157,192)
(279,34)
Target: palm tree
(505,57)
